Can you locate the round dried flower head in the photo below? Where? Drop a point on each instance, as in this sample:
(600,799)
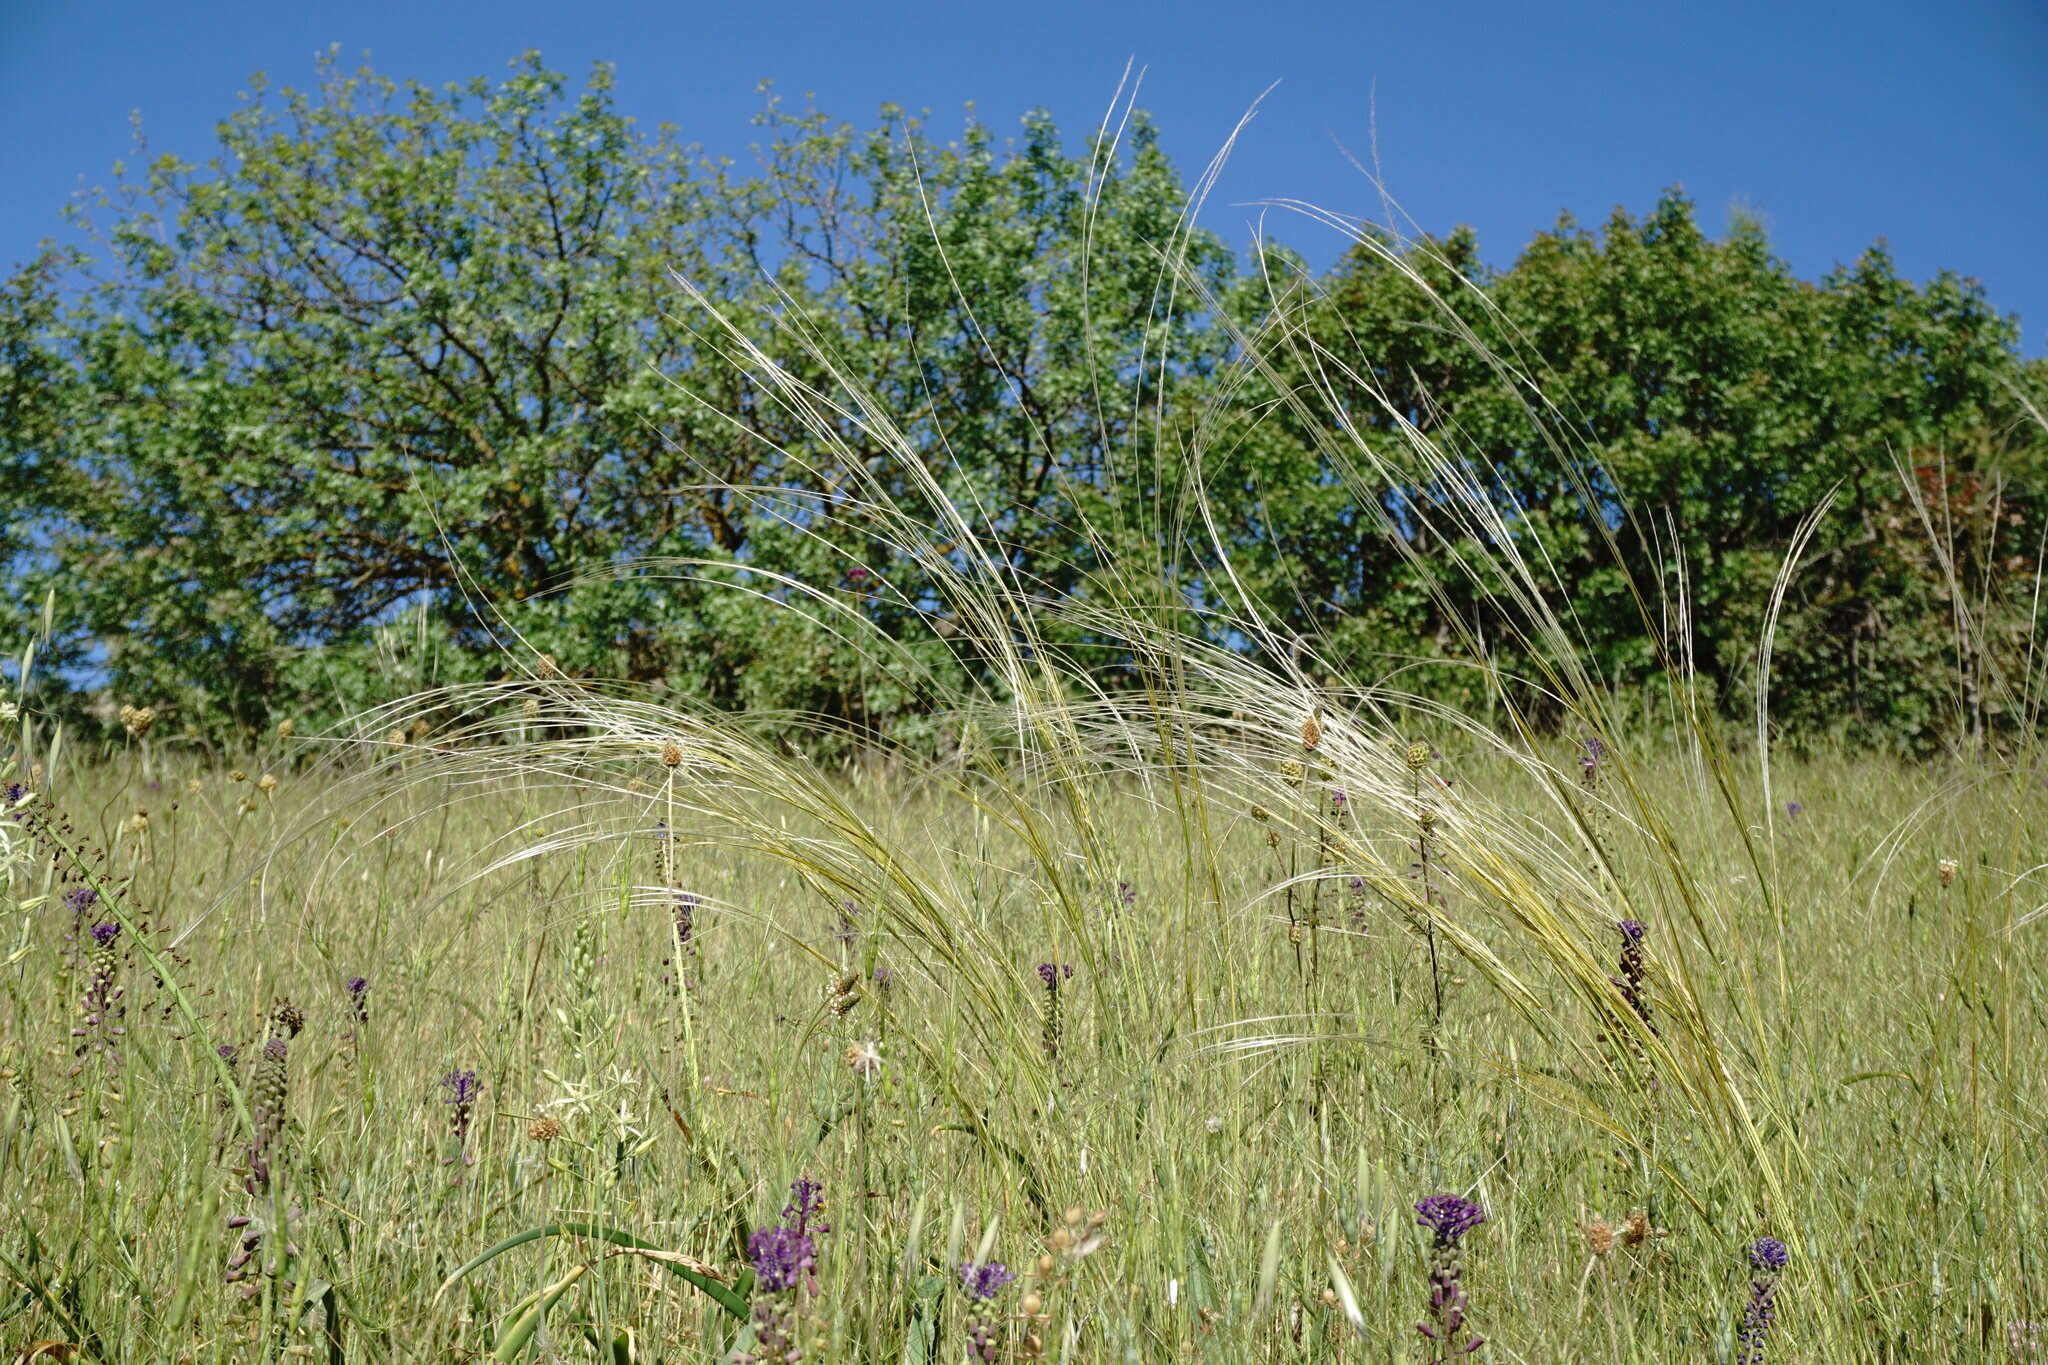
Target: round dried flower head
(671,754)
(395,738)
(267,783)
(138,823)
(546,1128)
(420,730)
(193,786)
(1291,772)
(1418,756)
(1947,871)
(864,1060)
(1261,814)
(1448,1217)
(136,720)
(530,707)
(1637,1229)
(1311,731)
(1599,1235)
(285,728)
(1768,1254)
(237,775)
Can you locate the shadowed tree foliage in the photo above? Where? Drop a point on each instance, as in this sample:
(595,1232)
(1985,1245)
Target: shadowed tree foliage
(1662,400)
(405,370)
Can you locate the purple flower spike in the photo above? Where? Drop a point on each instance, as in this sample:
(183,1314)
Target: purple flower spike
(1052,975)
(807,1201)
(1631,930)
(986,1279)
(1448,1216)
(1767,1257)
(103,934)
(1768,1254)
(1793,808)
(781,1256)
(462,1087)
(81,899)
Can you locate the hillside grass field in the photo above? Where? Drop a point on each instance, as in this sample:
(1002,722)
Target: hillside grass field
(1278,1035)
(1130,969)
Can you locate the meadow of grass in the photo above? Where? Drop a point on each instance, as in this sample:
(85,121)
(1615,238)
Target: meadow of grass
(534,1020)
(1277,1036)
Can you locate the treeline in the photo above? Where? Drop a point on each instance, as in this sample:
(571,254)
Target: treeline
(405,369)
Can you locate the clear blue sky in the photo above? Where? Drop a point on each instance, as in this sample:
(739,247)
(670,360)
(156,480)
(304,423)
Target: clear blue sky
(1836,123)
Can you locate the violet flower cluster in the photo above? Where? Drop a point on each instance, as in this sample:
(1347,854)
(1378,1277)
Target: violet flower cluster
(785,1258)
(1767,1260)
(983,1281)
(1448,1218)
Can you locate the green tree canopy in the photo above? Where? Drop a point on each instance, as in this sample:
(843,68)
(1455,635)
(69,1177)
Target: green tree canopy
(404,369)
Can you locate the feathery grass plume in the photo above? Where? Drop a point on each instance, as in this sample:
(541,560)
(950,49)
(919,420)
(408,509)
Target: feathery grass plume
(1448,1217)
(1767,1260)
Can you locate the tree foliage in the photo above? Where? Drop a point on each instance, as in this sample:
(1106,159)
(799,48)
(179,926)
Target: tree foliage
(403,371)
